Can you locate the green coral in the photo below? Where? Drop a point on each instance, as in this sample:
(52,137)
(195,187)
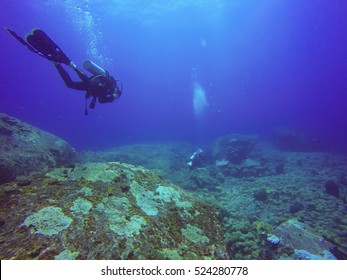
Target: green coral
(98,171)
(261,227)
(128,228)
(81,205)
(86,191)
(67,255)
(168,194)
(48,221)
(148,201)
(194,234)
(145,199)
(90,171)
(244,238)
(169,254)
(115,209)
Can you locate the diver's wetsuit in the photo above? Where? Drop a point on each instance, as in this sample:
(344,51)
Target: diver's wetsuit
(97,86)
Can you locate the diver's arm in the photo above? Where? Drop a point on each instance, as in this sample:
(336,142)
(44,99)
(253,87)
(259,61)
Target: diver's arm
(79,85)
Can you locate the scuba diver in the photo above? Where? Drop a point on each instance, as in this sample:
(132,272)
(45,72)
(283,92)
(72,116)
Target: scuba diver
(196,159)
(100,86)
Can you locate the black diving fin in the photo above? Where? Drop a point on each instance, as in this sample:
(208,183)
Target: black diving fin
(40,43)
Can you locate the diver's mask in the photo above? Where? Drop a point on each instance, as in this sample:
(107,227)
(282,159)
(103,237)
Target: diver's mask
(117,92)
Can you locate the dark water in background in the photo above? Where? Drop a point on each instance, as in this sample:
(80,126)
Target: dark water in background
(250,65)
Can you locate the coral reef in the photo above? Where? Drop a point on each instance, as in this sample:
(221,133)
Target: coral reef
(293,182)
(239,203)
(106,211)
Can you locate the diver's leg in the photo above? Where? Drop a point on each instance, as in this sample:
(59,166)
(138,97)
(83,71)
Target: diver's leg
(79,85)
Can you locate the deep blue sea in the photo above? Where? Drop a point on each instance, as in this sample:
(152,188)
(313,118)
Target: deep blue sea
(192,70)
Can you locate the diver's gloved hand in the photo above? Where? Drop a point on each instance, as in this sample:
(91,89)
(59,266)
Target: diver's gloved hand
(73,65)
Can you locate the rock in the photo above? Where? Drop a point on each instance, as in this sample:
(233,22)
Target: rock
(84,213)
(279,168)
(291,140)
(234,148)
(296,206)
(250,168)
(273,239)
(2,222)
(23,181)
(332,188)
(261,195)
(343,179)
(304,255)
(202,179)
(303,241)
(25,149)
(220,163)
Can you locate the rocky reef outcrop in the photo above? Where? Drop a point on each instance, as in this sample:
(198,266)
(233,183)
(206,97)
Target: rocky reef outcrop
(231,155)
(296,141)
(106,211)
(300,238)
(234,148)
(25,149)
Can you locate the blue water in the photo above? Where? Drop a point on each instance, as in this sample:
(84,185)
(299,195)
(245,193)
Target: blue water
(257,65)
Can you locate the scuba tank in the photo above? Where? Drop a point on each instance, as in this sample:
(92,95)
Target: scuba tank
(94,68)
